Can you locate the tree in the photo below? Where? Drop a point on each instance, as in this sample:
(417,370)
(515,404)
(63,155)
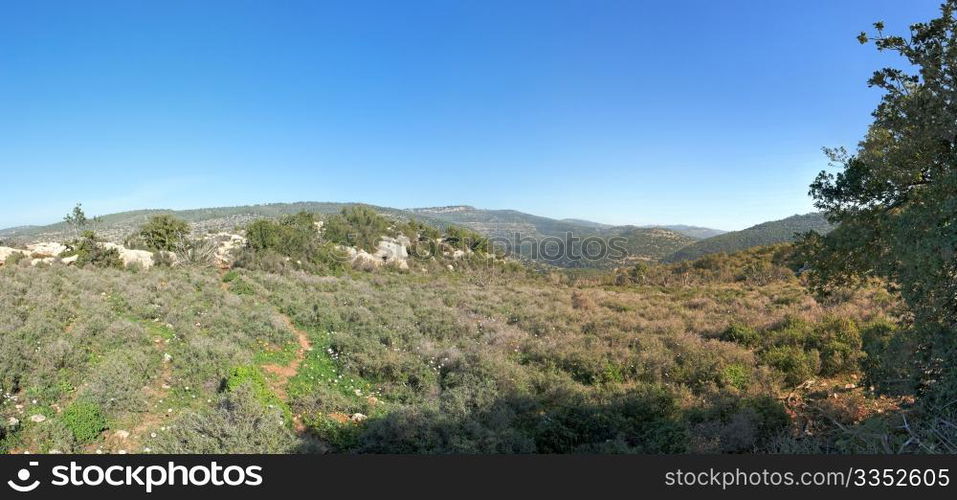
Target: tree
(356,226)
(76,219)
(164,233)
(895,197)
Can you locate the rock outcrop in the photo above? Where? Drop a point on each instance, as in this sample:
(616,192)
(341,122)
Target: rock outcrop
(46,249)
(225,243)
(8,251)
(391,251)
(130,257)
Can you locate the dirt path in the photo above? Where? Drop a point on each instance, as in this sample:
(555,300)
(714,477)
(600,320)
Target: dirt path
(282,373)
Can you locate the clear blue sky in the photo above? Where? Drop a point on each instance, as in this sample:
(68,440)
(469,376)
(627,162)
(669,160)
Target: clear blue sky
(700,112)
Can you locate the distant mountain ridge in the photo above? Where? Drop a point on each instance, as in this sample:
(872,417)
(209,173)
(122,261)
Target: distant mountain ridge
(668,243)
(641,242)
(767,233)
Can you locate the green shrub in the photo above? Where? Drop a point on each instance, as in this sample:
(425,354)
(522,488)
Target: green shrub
(736,375)
(889,364)
(794,363)
(252,377)
(466,239)
(163,233)
(290,243)
(839,342)
(14,259)
(239,423)
(356,226)
(740,334)
(90,252)
(85,420)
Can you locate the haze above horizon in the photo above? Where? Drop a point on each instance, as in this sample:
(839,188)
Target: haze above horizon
(708,114)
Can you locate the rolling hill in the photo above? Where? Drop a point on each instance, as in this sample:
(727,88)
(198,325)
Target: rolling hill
(535,238)
(767,233)
(519,229)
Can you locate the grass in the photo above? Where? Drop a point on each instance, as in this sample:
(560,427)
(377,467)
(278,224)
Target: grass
(471,361)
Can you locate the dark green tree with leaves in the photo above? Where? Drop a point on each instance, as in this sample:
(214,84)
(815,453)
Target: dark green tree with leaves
(164,233)
(895,199)
(76,220)
(356,226)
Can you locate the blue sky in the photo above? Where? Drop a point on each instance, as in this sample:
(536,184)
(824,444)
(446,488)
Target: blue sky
(697,112)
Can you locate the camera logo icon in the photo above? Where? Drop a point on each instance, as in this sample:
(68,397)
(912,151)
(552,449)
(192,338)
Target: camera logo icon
(23,475)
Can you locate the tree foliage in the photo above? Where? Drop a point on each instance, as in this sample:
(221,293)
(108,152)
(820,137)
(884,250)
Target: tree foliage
(895,197)
(76,219)
(164,233)
(356,226)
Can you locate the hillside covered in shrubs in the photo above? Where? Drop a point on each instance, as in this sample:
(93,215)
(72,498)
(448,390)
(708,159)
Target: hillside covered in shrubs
(300,344)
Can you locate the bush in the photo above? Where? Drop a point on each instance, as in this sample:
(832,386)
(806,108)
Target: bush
(740,334)
(239,423)
(197,252)
(357,226)
(839,342)
(794,363)
(89,252)
(163,233)
(889,364)
(464,239)
(13,259)
(85,420)
(290,243)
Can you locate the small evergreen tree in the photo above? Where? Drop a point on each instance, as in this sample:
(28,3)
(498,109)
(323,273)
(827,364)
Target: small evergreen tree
(164,233)
(76,219)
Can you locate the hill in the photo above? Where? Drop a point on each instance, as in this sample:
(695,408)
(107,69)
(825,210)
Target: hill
(117,226)
(475,359)
(539,239)
(519,230)
(767,233)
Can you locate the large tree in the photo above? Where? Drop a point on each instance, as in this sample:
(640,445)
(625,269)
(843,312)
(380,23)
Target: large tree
(895,197)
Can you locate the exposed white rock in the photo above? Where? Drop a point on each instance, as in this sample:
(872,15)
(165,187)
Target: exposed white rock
(46,249)
(69,260)
(225,244)
(7,251)
(37,418)
(129,257)
(393,251)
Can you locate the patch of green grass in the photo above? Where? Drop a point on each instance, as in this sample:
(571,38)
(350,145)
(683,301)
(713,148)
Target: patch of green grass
(319,368)
(274,355)
(256,379)
(736,375)
(85,420)
(240,286)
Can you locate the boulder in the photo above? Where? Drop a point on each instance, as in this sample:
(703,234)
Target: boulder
(46,249)
(7,251)
(225,244)
(37,418)
(129,257)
